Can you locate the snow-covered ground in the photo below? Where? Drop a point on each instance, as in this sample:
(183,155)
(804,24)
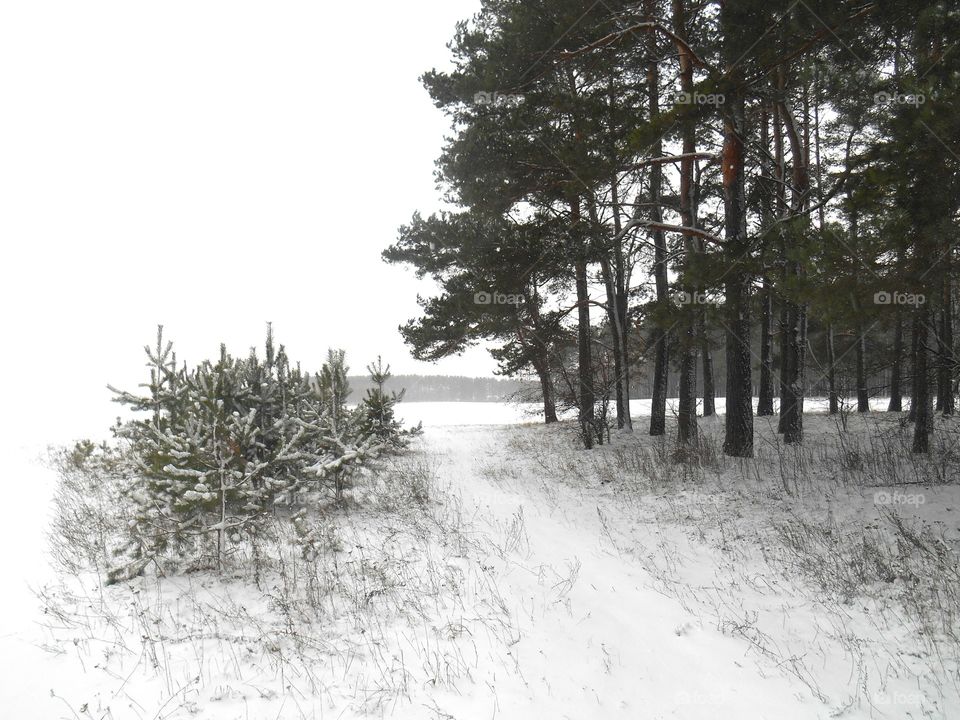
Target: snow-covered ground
(557,584)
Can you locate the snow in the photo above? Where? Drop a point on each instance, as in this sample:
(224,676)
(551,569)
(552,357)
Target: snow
(609,604)
(22,540)
(597,641)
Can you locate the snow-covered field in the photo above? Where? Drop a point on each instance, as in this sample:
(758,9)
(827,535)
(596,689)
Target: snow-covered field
(541,581)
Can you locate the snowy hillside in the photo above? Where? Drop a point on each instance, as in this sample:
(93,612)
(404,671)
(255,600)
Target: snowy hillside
(532,579)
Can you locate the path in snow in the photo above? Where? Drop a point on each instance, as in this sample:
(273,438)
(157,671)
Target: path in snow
(606,645)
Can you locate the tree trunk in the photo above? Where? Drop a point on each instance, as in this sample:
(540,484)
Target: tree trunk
(584,353)
(765,401)
(616,338)
(618,379)
(690,311)
(791,384)
(914,365)
(584,335)
(945,398)
(687,402)
(832,371)
(658,406)
(896,393)
(709,390)
(738,438)
(921,382)
(546,390)
(863,392)
(658,409)
(794,341)
(623,329)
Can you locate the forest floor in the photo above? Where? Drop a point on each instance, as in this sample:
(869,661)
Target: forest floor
(531,579)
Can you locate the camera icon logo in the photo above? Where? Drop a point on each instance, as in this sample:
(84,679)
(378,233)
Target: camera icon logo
(482,298)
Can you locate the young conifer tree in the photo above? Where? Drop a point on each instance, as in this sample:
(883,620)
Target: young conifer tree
(379,407)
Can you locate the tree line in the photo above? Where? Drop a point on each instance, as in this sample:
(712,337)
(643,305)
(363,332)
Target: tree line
(443,388)
(665,184)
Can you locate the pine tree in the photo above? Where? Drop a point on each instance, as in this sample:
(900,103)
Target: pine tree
(380,408)
(229,441)
(347,445)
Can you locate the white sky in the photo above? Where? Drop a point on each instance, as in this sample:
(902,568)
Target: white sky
(209,165)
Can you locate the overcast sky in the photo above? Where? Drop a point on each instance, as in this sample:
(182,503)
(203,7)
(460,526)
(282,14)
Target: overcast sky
(210,165)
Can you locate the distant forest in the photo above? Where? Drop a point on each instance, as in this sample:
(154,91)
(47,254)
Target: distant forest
(443,388)
(458,388)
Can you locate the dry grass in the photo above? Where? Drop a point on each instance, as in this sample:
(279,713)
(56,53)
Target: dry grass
(358,607)
(831,538)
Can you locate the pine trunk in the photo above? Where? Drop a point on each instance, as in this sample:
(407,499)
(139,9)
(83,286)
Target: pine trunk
(914,367)
(584,335)
(791,384)
(687,403)
(896,393)
(832,371)
(547,393)
(863,392)
(738,438)
(921,382)
(658,409)
(709,390)
(616,333)
(794,341)
(765,401)
(623,329)
(945,398)
(687,432)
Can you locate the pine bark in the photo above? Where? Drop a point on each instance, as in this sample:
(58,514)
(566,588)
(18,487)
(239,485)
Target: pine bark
(661,368)
(834,396)
(945,397)
(921,381)
(687,431)
(584,335)
(709,389)
(738,437)
(547,393)
(896,392)
(914,367)
(765,393)
(794,338)
(765,400)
